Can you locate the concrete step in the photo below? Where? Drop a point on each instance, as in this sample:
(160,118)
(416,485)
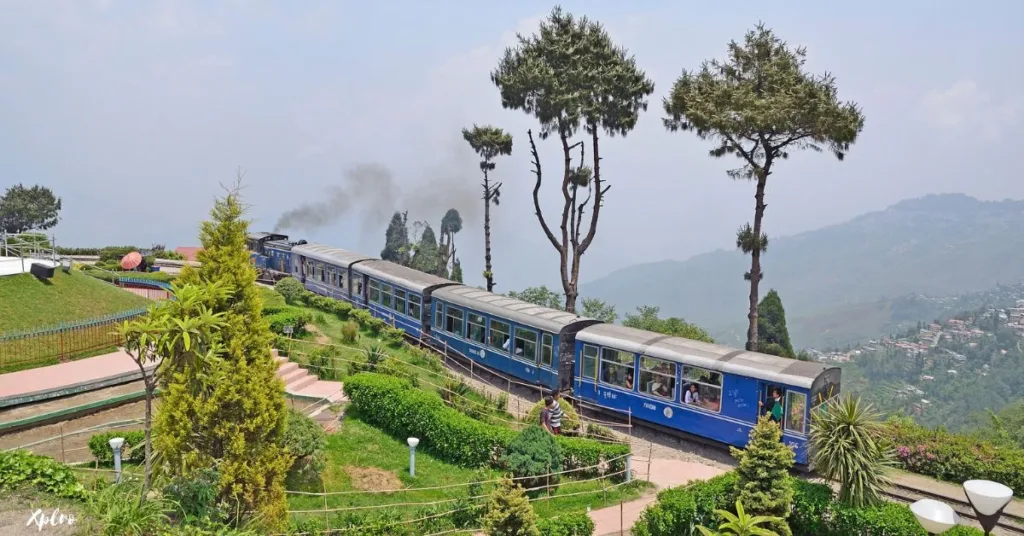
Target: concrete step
(293,375)
(298,385)
(285,368)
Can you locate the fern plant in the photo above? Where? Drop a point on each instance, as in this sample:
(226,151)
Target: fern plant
(741,524)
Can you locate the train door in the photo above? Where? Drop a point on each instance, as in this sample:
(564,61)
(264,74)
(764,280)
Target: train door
(765,396)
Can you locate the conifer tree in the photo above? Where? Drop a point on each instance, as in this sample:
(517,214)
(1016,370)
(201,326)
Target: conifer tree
(509,512)
(763,486)
(231,415)
(772,333)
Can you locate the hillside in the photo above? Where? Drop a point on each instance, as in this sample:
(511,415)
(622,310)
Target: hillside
(27,303)
(841,280)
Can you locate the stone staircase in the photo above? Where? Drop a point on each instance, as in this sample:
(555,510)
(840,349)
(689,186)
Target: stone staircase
(299,383)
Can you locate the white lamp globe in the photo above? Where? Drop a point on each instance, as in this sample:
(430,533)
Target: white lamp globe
(413,442)
(935,517)
(116,443)
(987,496)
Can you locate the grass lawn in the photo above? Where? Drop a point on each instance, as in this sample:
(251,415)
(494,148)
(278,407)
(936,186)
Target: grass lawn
(27,303)
(362,458)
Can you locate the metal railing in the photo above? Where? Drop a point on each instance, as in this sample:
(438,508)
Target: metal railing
(62,342)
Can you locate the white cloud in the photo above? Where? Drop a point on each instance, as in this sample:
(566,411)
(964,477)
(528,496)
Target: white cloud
(971,111)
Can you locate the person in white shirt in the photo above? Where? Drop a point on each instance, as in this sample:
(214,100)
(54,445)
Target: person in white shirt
(691,395)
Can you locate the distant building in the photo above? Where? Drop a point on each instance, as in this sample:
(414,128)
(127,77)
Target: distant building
(188,252)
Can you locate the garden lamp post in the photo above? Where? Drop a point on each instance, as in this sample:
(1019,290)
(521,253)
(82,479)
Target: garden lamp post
(934,517)
(412,455)
(988,500)
(116,444)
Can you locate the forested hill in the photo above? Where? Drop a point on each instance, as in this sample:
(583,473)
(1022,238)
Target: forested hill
(935,245)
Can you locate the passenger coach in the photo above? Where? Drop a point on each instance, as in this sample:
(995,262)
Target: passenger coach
(530,342)
(398,294)
(327,271)
(648,375)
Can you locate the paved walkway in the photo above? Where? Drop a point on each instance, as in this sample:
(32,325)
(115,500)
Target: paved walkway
(67,378)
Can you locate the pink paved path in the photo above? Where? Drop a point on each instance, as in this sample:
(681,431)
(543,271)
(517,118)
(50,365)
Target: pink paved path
(65,374)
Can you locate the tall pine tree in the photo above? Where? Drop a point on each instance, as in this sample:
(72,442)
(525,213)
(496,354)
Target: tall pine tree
(231,416)
(772,333)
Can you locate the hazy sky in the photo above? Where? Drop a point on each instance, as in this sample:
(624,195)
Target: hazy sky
(134,112)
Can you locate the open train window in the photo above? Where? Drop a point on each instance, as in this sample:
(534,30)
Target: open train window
(658,377)
(399,300)
(374,291)
(796,412)
(500,334)
(526,344)
(454,321)
(546,349)
(589,361)
(439,316)
(414,306)
(618,368)
(385,296)
(708,386)
(477,328)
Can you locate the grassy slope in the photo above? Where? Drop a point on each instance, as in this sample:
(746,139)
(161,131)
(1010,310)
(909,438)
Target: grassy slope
(27,303)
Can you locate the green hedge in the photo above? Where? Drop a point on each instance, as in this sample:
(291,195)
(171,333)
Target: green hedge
(279,317)
(20,468)
(954,457)
(815,512)
(133,451)
(578,524)
(396,407)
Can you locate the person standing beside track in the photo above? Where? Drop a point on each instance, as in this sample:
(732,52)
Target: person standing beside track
(556,413)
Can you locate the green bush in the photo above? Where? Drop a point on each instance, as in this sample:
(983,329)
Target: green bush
(570,419)
(196,497)
(289,316)
(324,364)
(815,512)
(291,289)
(115,253)
(578,524)
(305,440)
(531,456)
(394,406)
(350,333)
(393,336)
(133,451)
(392,366)
(954,457)
(21,468)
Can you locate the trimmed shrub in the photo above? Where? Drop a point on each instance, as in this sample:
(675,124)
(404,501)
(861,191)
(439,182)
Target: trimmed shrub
(394,406)
(133,450)
(291,289)
(393,336)
(570,421)
(305,440)
(954,457)
(680,510)
(288,316)
(21,468)
(532,455)
(350,332)
(578,524)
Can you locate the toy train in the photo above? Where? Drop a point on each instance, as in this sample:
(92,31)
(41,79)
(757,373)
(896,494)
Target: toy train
(704,390)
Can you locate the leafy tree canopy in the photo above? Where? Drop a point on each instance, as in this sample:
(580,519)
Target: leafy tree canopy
(488,142)
(396,241)
(772,334)
(599,309)
(23,209)
(647,318)
(541,295)
(426,252)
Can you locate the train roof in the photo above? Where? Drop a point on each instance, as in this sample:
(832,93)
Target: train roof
(402,276)
(701,354)
(330,254)
(260,236)
(525,313)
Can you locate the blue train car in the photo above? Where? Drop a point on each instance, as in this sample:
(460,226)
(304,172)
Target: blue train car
(399,294)
(277,255)
(256,242)
(327,271)
(524,340)
(648,375)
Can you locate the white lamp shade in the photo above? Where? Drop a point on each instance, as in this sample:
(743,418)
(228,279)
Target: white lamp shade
(116,443)
(987,496)
(413,442)
(934,516)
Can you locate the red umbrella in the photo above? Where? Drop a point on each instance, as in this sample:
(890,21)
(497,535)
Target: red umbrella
(131,261)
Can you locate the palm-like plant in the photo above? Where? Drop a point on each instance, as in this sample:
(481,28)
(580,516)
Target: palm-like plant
(848,447)
(741,524)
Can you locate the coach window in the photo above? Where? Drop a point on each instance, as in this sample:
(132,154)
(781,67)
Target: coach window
(454,321)
(709,387)
(414,306)
(526,344)
(374,291)
(658,377)
(400,300)
(796,412)
(320,272)
(500,332)
(477,328)
(589,361)
(359,285)
(617,368)
(546,351)
(385,295)
(343,278)
(330,275)
(439,316)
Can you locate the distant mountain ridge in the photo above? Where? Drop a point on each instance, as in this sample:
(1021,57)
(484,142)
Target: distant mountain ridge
(937,245)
